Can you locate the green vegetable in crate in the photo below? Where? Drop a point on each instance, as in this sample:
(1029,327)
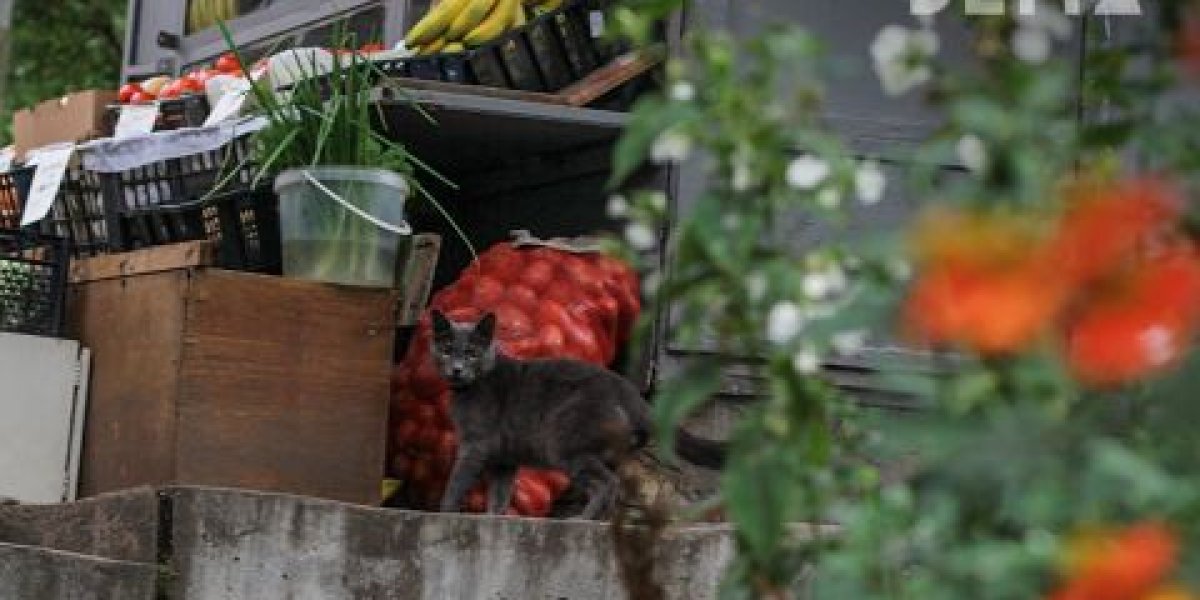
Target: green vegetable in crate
(21,304)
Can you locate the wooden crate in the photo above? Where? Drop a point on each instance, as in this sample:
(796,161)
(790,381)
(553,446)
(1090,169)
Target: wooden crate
(211,377)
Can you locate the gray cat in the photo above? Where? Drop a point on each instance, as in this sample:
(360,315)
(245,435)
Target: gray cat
(563,414)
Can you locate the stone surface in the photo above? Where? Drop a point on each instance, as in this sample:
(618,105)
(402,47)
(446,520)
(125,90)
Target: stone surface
(120,526)
(235,545)
(35,573)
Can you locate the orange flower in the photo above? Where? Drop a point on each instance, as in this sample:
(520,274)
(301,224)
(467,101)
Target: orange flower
(1128,566)
(984,284)
(1106,223)
(1143,326)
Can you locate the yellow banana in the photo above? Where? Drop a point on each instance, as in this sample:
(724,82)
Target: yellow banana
(494,25)
(549,5)
(434,23)
(475,13)
(519,18)
(453,47)
(433,47)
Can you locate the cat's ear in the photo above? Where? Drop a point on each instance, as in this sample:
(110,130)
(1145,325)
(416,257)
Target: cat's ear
(486,327)
(441,325)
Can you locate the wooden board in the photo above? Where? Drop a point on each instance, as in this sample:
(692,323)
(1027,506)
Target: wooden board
(139,262)
(133,328)
(284,385)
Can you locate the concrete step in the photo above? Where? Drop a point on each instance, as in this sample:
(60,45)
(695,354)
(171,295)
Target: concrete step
(235,544)
(34,573)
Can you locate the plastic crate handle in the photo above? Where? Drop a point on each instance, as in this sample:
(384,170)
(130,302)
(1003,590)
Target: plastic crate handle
(404,229)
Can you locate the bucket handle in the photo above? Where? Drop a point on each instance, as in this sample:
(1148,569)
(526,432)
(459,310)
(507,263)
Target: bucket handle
(406,229)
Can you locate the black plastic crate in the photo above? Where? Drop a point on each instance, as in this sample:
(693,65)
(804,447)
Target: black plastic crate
(184,179)
(547,54)
(14,185)
(174,113)
(33,282)
(243,226)
(81,215)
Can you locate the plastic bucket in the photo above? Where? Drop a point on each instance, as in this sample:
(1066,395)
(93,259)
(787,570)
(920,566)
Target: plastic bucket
(342,224)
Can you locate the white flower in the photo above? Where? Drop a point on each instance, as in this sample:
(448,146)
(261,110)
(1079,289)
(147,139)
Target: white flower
(784,322)
(640,236)
(1032,45)
(807,172)
(672,145)
(683,91)
(756,286)
(901,57)
(617,206)
(829,198)
(849,342)
(869,182)
(972,152)
(824,282)
(806,361)
(899,269)
(743,176)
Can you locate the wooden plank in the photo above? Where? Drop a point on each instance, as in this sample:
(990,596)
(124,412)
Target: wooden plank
(133,327)
(147,260)
(418,278)
(404,83)
(621,70)
(285,385)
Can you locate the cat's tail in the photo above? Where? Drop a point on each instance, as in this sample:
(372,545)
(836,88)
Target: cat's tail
(700,451)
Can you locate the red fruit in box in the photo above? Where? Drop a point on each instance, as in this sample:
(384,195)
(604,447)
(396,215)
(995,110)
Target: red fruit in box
(488,291)
(538,274)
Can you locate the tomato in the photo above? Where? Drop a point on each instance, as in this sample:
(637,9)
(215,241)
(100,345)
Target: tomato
(553,313)
(406,430)
(488,291)
(558,481)
(521,501)
(127,91)
(192,84)
(372,47)
(552,340)
(171,90)
(419,472)
(228,63)
(141,98)
(538,273)
(514,323)
(540,498)
(530,347)
(522,296)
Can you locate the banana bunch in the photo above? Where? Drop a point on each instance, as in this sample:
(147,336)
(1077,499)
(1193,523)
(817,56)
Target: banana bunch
(203,14)
(454,25)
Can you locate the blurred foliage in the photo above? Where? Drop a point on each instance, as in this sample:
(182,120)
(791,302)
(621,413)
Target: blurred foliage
(61,46)
(1013,456)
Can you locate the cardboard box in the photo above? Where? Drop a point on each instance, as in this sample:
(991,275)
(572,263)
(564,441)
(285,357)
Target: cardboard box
(72,118)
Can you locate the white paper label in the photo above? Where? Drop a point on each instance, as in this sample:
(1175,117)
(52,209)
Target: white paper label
(596,19)
(136,119)
(6,159)
(230,104)
(51,167)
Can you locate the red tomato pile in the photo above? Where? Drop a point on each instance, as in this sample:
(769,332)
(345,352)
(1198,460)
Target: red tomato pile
(165,88)
(549,304)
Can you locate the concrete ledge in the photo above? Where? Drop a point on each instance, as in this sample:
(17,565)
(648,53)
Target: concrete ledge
(121,525)
(34,573)
(235,544)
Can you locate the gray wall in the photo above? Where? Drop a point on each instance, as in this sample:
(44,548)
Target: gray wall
(30,573)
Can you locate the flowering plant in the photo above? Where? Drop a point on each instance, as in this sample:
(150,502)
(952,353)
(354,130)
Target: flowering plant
(1052,290)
